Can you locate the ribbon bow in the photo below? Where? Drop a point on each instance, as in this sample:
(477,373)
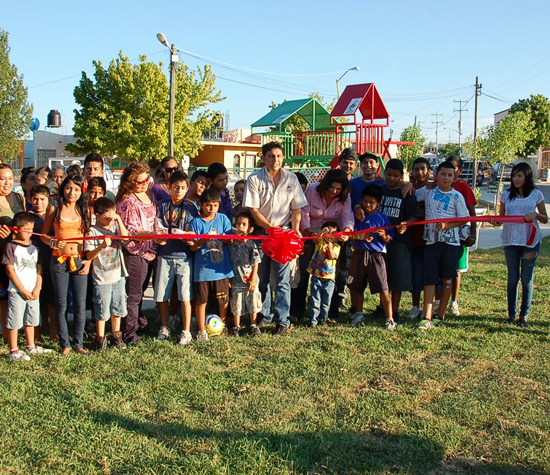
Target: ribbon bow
(282,246)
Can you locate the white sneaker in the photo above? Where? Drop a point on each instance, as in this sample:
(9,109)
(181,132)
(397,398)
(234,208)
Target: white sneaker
(202,335)
(18,356)
(164,333)
(391,325)
(454,308)
(185,338)
(173,321)
(38,350)
(426,325)
(357,318)
(414,313)
(436,306)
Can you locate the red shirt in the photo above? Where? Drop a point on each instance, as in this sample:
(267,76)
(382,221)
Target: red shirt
(418,231)
(466,191)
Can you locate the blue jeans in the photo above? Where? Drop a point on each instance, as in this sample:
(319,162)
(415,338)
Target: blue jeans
(61,277)
(319,299)
(282,289)
(524,268)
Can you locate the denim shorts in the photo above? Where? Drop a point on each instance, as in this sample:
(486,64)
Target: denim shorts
(22,312)
(110,299)
(170,271)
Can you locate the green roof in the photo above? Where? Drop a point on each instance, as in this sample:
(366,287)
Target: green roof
(311,110)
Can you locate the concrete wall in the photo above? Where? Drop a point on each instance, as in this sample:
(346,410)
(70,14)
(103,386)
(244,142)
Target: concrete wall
(226,153)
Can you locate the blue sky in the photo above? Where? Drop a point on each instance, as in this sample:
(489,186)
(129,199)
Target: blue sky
(421,55)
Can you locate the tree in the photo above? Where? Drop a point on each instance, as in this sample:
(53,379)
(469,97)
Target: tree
(449,149)
(124,110)
(538,108)
(507,140)
(408,153)
(15,111)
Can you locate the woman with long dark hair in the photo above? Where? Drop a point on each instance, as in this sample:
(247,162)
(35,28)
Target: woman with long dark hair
(161,190)
(70,221)
(521,241)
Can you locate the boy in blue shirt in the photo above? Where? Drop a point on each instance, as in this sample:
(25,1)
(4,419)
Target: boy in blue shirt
(175,259)
(212,267)
(368,265)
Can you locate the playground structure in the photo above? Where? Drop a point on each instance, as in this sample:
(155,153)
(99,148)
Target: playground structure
(357,121)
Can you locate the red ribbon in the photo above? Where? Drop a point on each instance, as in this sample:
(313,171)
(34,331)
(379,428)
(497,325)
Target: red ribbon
(282,246)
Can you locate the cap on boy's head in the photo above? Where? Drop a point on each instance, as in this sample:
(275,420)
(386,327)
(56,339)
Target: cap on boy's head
(40,190)
(210,194)
(198,174)
(446,164)
(102,205)
(395,164)
(368,155)
(178,176)
(348,154)
(456,160)
(215,169)
(374,191)
(22,218)
(301,178)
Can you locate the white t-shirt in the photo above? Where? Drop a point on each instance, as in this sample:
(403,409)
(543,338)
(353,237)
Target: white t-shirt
(24,260)
(108,267)
(517,234)
(274,202)
(442,205)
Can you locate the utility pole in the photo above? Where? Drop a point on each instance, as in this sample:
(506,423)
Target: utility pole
(437,122)
(460,110)
(477,94)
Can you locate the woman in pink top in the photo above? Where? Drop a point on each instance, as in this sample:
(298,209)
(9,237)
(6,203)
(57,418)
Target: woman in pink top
(139,214)
(327,200)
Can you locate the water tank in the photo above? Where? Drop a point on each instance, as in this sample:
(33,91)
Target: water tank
(54,119)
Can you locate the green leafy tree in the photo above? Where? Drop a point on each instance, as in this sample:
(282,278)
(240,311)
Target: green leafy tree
(124,110)
(538,108)
(15,111)
(449,149)
(408,153)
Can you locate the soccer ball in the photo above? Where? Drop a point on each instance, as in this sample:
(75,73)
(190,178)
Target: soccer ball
(214,325)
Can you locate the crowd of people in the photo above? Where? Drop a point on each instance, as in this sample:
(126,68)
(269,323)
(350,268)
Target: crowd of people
(68,243)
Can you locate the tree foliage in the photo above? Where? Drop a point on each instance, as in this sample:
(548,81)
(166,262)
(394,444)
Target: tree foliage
(449,149)
(538,108)
(506,141)
(15,111)
(124,110)
(408,153)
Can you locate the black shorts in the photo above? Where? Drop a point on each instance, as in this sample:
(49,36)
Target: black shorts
(367,268)
(399,267)
(440,262)
(218,288)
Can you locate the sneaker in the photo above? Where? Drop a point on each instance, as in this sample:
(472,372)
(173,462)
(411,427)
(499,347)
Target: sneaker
(202,335)
(522,323)
(414,313)
(38,350)
(235,331)
(173,321)
(265,323)
(255,330)
(425,325)
(322,323)
(164,333)
(117,341)
(455,311)
(18,355)
(357,318)
(100,343)
(311,324)
(436,306)
(391,324)
(438,321)
(281,330)
(185,338)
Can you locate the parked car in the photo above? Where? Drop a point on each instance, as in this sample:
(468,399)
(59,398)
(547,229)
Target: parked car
(505,170)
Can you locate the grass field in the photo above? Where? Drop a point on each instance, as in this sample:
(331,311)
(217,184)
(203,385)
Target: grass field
(473,397)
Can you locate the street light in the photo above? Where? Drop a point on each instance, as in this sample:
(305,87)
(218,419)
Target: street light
(355,68)
(173,72)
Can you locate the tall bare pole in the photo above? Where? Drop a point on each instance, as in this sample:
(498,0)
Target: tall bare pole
(477,94)
(437,122)
(173,73)
(460,110)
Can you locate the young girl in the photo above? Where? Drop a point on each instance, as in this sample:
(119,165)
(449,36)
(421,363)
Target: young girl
(521,241)
(69,220)
(139,215)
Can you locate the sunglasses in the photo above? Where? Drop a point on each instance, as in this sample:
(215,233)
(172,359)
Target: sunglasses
(141,182)
(171,169)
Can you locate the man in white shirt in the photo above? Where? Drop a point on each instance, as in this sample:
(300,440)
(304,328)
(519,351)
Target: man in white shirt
(275,198)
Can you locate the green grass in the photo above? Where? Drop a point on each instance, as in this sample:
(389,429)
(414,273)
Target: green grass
(469,398)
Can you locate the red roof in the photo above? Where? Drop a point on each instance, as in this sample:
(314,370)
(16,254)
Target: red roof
(363,98)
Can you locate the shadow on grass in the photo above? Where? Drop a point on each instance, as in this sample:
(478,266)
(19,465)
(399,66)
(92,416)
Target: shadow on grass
(314,452)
